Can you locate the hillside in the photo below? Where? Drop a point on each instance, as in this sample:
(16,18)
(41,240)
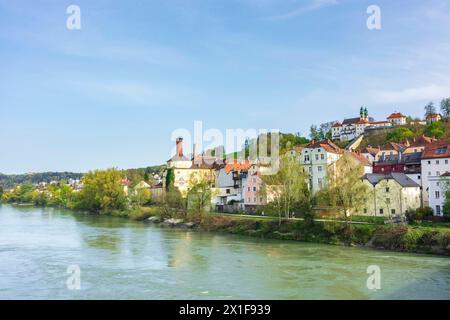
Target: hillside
(10,181)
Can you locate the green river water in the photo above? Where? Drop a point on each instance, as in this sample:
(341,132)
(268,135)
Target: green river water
(124,259)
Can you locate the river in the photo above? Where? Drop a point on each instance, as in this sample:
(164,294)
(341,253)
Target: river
(123,259)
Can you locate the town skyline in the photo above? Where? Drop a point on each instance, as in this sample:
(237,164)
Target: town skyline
(111,94)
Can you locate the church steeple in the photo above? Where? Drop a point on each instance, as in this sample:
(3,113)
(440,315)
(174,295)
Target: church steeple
(361,113)
(366,113)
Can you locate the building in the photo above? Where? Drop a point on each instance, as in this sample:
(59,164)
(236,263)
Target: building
(433,117)
(316,158)
(435,162)
(351,128)
(229,186)
(370,153)
(389,149)
(391,194)
(185,169)
(397,119)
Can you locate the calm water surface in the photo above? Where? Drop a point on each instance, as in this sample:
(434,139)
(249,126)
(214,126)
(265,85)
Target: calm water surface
(122,259)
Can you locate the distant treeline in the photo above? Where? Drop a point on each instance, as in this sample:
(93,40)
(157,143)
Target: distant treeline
(8,181)
(12,180)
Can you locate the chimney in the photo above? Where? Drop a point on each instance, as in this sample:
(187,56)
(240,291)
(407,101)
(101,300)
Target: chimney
(179,143)
(194,151)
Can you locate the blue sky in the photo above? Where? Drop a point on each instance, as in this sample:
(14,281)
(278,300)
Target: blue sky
(111,94)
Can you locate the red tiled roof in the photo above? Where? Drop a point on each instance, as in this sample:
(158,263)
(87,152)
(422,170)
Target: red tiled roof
(396,115)
(337,124)
(370,150)
(327,145)
(237,166)
(434,115)
(297,148)
(438,149)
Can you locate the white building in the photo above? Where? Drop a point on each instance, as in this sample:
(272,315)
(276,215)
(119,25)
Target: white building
(435,163)
(351,128)
(316,157)
(397,119)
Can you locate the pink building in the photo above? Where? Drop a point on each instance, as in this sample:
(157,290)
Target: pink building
(251,187)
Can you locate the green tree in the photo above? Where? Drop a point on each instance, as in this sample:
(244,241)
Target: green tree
(344,188)
(140,196)
(102,191)
(400,134)
(435,129)
(287,190)
(445,107)
(200,192)
(429,109)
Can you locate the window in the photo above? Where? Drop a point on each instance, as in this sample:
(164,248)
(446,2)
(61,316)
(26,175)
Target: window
(228,191)
(260,199)
(429,173)
(317,157)
(437,161)
(254,180)
(437,194)
(319,181)
(388,200)
(254,188)
(387,189)
(438,173)
(254,199)
(319,168)
(381,211)
(307,158)
(365,210)
(392,211)
(418,177)
(429,162)
(438,210)
(248,189)
(322,157)
(248,200)
(441,150)
(446,161)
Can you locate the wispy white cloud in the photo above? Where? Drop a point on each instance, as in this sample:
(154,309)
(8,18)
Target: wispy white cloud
(428,92)
(314,5)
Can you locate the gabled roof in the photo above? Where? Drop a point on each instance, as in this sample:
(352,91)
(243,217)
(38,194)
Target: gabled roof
(434,115)
(297,148)
(327,145)
(370,150)
(350,121)
(401,178)
(237,166)
(437,149)
(337,124)
(396,115)
(393,146)
(422,141)
(177,157)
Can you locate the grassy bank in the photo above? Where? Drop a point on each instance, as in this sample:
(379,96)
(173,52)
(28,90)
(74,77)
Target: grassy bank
(411,238)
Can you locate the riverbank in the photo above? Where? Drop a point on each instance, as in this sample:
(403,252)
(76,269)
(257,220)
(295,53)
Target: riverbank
(401,238)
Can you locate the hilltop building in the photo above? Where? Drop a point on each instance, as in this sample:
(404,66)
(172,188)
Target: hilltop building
(351,128)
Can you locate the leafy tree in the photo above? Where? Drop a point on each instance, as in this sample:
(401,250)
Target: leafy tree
(345,188)
(140,196)
(200,192)
(435,129)
(287,190)
(170,179)
(429,109)
(1,192)
(445,107)
(400,134)
(102,191)
(314,133)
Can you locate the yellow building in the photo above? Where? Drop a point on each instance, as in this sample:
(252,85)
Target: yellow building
(391,194)
(185,169)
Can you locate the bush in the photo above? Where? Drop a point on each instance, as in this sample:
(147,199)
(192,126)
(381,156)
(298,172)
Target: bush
(420,214)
